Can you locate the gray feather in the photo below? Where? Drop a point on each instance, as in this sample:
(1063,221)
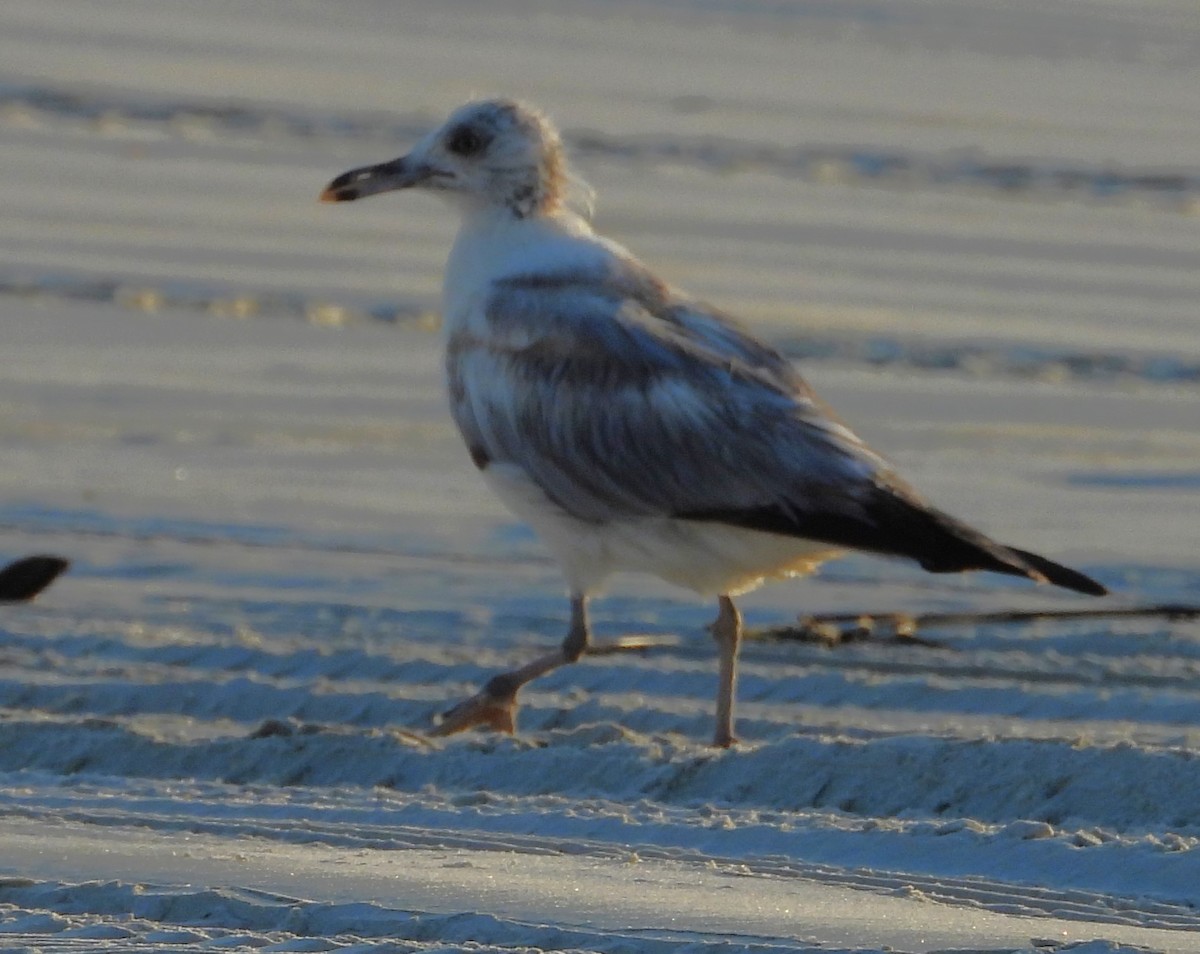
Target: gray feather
(621,400)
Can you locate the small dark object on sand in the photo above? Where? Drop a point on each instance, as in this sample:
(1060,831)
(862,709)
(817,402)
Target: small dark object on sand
(24,579)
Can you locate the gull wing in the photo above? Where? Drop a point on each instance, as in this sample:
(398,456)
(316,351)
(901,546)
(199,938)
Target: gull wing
(622,406)
(622,401)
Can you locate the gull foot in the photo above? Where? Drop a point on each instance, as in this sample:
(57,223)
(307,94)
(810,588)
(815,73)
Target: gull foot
(494,707)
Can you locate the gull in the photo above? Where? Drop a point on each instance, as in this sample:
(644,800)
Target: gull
(632,426)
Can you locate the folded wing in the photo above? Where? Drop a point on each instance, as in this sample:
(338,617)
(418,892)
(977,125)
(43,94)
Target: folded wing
(624,402)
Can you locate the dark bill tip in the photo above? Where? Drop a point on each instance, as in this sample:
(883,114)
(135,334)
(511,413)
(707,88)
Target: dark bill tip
(343,194)
(369,180)
(344,188)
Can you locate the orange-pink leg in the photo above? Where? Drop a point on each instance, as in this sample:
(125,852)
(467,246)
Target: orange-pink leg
(727,632)
(495,705)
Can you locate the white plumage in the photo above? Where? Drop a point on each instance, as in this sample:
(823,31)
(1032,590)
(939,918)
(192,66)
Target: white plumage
(632,427)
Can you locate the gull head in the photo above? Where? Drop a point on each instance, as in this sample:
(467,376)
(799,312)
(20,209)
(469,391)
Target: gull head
(495,153)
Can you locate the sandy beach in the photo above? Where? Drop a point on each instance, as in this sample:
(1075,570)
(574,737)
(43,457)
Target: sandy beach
(976,228)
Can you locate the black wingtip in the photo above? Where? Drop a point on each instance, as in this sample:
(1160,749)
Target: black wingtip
(24,579)
(1061,575)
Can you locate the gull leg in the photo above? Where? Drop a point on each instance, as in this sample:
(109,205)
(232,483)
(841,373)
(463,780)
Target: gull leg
(727,631)
(580,634)
(495,705)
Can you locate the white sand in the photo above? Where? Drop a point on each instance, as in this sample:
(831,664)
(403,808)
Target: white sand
(272,517)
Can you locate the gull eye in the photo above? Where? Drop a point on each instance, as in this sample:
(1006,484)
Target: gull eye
(466,141)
